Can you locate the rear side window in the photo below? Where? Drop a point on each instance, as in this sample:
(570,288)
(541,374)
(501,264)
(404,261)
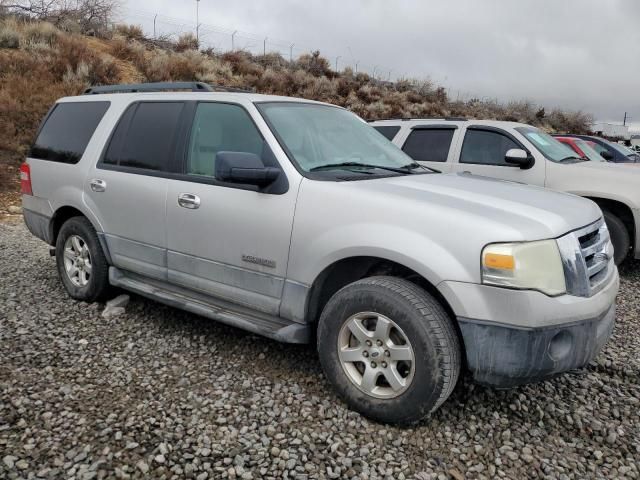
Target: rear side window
(388,131)
(220,127)
(145,137)
(67,130)
(429,144)
(486,147)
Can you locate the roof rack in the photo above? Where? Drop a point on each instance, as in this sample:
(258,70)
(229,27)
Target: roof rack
(404,119)
(161,87)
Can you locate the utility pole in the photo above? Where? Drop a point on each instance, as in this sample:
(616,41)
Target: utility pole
(291,53)
(233,45)
(198,21)
(264,47)
(624,122)
(337,58)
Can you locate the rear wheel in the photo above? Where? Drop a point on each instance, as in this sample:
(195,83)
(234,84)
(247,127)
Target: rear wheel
(81,263)
(389,349)
(619,236)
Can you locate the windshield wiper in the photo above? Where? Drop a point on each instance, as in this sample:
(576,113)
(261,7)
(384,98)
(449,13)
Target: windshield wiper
(415,165)
(331,166)
(572,157)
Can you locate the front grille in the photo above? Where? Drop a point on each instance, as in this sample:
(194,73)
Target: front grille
(587,258)
(593,246)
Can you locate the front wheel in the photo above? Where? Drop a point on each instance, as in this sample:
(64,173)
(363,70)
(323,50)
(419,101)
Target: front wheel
(619,236)
(81,263)
(389,349)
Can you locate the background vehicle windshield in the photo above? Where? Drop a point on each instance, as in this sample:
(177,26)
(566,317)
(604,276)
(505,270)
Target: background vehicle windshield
(319,135)
(551,148)
(633,156)
(589,151)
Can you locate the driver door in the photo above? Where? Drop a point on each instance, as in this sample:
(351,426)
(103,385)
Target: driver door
(227,240)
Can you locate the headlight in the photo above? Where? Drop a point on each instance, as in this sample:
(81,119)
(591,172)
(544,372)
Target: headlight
(528,265)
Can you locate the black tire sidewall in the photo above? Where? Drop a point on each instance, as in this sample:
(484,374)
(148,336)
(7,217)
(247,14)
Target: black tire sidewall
(423,394)
(98,281)
(619,236)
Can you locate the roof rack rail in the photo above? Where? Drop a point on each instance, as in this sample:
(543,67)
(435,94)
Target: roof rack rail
(161,87)
(404,119)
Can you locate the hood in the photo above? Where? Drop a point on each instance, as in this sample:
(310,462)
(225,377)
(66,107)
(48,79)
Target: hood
(515,211)
(613,181)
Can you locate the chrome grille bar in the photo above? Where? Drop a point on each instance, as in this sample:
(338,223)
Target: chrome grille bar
(587,256)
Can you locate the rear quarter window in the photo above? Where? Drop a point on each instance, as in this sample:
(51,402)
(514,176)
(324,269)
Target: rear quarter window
(429,144)
(389,131)
(145,137)
(66,131)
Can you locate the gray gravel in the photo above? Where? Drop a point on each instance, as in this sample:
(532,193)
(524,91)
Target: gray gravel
(159,392)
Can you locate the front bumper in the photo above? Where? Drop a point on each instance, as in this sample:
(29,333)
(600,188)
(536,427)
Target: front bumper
(512,337)
(503,357)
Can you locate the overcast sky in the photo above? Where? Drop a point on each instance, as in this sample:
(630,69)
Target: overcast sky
(574,54)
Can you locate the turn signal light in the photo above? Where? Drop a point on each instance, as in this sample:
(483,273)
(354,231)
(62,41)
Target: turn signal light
(502,262)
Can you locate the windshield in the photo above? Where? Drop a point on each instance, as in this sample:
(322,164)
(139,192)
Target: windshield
(329,139)
(623,150)
(589,151)
(551,148)
(620,148)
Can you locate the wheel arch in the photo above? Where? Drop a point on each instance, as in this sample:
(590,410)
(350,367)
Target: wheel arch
(64,213)
(620,210)
(351,269)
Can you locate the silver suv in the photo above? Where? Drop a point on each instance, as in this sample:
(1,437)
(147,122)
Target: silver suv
(298,221)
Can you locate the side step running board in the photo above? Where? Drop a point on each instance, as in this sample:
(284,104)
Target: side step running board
(240,317)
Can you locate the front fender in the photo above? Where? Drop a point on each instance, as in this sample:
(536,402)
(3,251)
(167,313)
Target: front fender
(421,254)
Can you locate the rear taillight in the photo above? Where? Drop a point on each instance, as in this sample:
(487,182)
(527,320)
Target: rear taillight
(25,179)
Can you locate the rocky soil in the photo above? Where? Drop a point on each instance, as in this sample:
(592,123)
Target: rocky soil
(158,392)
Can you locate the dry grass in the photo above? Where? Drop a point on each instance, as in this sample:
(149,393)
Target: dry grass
(40,63)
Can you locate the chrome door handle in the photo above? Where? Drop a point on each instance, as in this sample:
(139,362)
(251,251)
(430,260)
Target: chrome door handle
(188,200)
(98,185)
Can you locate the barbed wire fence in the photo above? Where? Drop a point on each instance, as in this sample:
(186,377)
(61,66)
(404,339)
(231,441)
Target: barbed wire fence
(223,39)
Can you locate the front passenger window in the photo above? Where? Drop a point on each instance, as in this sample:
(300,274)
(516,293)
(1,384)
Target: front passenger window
(486,147)
(220,127)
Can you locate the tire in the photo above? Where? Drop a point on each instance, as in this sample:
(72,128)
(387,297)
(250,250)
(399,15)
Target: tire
(97,279)
(430,335)
(619,236)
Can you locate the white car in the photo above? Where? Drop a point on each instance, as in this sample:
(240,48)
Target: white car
(523,153)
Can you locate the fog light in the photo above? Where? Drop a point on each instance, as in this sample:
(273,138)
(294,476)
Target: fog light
(561,345)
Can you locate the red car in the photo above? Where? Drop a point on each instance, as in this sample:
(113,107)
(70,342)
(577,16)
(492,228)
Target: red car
(584,148)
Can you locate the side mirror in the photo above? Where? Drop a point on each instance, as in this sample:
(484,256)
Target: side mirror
(606,154)
(519,157)
(245,168)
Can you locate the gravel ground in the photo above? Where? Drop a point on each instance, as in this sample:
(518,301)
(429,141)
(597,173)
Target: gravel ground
(162,393)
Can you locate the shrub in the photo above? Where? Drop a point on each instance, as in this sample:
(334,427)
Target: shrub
(10,36)
(42,33)
(315,64)
(129,50)
(188,41)
(130,32)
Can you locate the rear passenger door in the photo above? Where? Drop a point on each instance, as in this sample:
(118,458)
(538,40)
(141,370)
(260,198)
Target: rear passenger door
(227,240)
(483,153)
(431,146)
(127,188)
